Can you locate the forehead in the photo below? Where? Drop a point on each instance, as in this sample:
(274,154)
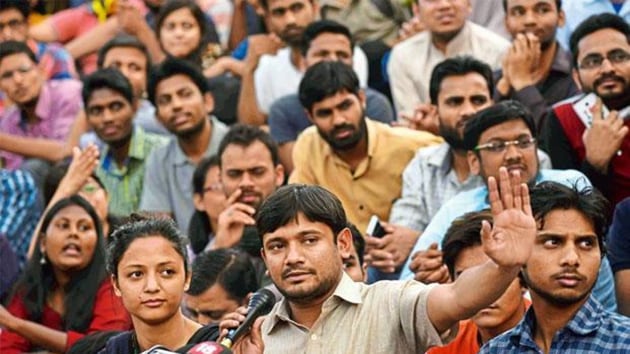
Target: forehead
(180,14)
(279,4)
(122,54)
(330,41)
(602,42)
(175,83)
(297,227)
(244,157)
(11,13)
(334,100)
(104,95)
(162,250)
(529,3)
(567,222)
(72,212)
(464,85)
(511,129)
(470,257)
(15,60)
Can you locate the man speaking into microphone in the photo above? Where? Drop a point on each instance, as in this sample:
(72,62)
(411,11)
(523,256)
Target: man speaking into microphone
(303,231)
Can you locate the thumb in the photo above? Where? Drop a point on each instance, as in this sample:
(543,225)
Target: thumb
(256,331)
(433,246)
(485,231)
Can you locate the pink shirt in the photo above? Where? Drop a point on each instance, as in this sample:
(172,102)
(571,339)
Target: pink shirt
(58,104)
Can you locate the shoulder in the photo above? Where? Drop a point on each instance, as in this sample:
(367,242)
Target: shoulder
(567,177)
(289,103)
(488,37)
(500,344)
(119,344)
(155,140)
(209,333)
(402,136)
(164,153)
(411,44)
(66,84)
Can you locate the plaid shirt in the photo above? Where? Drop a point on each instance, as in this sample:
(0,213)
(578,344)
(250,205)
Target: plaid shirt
(592,330)
(19,210)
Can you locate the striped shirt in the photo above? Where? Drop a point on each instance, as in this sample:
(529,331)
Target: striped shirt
(124,183)
(592,330)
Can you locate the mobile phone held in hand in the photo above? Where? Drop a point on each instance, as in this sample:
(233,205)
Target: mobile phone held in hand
(375,229)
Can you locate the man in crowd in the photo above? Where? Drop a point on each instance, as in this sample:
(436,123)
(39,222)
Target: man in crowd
(110,106)
(322,40)
(179,91)
(303,230)
(536,70)
(221,281)
(583,135)
(560,274)
(448,34)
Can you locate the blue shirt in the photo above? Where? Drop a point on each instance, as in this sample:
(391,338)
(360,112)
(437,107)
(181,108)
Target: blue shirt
(592,330)
(577,11)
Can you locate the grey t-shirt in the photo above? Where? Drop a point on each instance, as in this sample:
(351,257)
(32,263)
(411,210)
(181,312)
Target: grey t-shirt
(168,178)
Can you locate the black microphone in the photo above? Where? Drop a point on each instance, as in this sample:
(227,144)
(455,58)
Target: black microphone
(260,304)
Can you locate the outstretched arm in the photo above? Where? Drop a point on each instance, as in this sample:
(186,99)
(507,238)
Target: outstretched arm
(508,243)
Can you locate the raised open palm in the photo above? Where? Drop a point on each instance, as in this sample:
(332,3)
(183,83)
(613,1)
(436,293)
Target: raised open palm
(510,240)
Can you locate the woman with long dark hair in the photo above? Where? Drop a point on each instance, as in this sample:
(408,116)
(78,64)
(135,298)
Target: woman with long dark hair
(64,292)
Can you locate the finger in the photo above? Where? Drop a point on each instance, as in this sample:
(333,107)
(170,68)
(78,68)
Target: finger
(596,109)
(234,197)
(527,206)
(486,231)
(381,256)
(433,246)
(256,333)
(373,242)
(242,207)
(493,196)
(623,131)
(239,217)
(431,264)
(516,188)
(505,188)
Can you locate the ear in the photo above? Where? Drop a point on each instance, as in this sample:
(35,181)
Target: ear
(362,98)
(279,170)
(187,282)
(344,241)
(561,18)
(114,282)
(576,78)
(42,243)
(208,101)
(264,256)
(310,117)
(473,163)
(198,202)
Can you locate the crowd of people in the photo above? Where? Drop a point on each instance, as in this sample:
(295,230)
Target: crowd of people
(431,176)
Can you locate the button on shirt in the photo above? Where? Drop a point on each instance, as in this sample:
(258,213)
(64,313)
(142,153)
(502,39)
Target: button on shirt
(592,330)
(57,107)
(386,317)
(375,183)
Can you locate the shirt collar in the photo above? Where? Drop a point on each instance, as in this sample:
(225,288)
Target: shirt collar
(136,148)
(458,42)
(43,105)
(441,157)
(182,159)
(347,290)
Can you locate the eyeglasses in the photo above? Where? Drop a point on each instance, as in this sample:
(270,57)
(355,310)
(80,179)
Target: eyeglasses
(501,146)
(12,24)
(213,187)
(593,61)
(24,69)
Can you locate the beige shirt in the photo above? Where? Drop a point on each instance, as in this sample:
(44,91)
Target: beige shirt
(385,317)
(375,184)
(412,61)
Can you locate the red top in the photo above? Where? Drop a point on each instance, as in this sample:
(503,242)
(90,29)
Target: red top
(108,314)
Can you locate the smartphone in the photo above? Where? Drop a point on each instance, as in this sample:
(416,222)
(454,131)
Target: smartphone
(583,109)
(375,229)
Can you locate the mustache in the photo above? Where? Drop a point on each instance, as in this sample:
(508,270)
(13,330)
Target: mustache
(341,128)
(569,273)
(605,77)
(287,271)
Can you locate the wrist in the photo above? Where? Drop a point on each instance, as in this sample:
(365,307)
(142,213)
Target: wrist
(599,164)
(14,324)
(521,84)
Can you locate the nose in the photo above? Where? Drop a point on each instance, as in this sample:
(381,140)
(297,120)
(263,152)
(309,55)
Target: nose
(289,17)
(107,115)
(513,154)
(467,109)
(338,118)
(570,256)
(246,180)
(151,285)
(529,18)
(294,254)
(606,66)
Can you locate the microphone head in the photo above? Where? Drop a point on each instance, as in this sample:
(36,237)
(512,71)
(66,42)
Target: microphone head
(262,302)
(208,348)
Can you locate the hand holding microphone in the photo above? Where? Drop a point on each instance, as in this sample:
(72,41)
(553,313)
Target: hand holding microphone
(260,304)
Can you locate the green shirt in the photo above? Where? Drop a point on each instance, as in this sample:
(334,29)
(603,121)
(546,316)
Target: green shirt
(124,183)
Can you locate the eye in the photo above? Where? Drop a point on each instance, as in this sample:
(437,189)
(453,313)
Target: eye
(517,11)
(135,274)
(163,100)
(345,105)
(454,101)
(310,240)
(116,106)
(95,111)
(275,246)
(479,100)
(85,227)
(187,25)
(496,146)
(168,272)
(587,243)
(135,67)
(258,171)
(551,242)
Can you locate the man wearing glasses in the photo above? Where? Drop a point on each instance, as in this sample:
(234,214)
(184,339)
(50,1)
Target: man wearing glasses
(594,140)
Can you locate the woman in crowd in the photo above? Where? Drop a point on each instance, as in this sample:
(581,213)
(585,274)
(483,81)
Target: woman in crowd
(151,285)
(64,292)
(209,199)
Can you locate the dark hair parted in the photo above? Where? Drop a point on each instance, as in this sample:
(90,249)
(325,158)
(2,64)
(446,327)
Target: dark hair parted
(265,4)
(593,24)
(558,5)
(108,78)
(38,279)
(463,233)
(124,41)
(549,196)
(22,6)
(199,228)
(140,227)
(358,241)
(325,79)
(314,202)
(496,114)
(14,47)
(230,268)
(244,135)
(171,67)
(458,66)
(317,28)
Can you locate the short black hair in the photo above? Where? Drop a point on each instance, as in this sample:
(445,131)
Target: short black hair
(314,202)
(265,4)
(458,66)
(22,6)
(199,227)
(463,233)
(315,29)
(549,196)
(230,268)
(593,24)
(140,227)
(496,114)
(106,78)
(171,67)
(558,5)
(358,241)
(15,47)
(244,135)
(124,41)
(325,79)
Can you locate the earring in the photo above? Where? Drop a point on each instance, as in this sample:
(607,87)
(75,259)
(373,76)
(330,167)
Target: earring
(42,260)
